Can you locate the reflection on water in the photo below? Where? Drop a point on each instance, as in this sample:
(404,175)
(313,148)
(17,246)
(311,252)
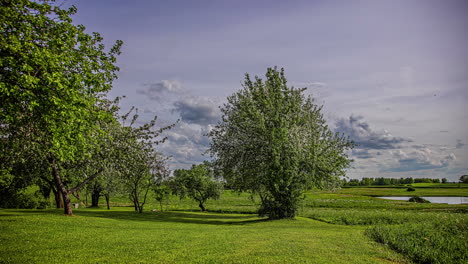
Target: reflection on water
(432,199)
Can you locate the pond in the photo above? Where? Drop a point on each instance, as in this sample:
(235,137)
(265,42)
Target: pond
(432,199)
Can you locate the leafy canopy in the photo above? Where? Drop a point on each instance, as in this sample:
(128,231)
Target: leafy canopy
(52,75)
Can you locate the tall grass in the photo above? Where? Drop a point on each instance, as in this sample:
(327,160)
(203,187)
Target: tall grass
(439,240)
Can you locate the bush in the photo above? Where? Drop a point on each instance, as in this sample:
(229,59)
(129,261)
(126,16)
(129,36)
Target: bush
(410,189)
(22,200)
(417,199)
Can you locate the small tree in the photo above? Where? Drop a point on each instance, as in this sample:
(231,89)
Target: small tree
(138,163)
(197,183)
(161,193)
(444,180)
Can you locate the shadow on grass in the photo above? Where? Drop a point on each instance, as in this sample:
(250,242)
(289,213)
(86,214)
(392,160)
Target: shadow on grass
(171,216)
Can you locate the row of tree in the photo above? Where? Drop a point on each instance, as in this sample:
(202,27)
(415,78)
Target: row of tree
(58,131)
(389,181)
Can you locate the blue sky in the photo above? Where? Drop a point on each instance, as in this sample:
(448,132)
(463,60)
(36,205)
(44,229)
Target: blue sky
(391,74)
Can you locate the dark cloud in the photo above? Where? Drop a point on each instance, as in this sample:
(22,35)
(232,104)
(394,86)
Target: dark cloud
(361,132)
(419,160)
(362,154)
(197,111)
(460,144)
(156,91)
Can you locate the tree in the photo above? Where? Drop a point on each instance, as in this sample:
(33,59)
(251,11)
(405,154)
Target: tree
(444,180)
(138,163)
(464,179)
(52,77)
(274,141)
(162,192)
(198,183)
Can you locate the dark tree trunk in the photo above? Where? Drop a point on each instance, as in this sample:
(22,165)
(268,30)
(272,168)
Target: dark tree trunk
(202,207)
(61,188)
(107,200)
(95,198)
(135,203)
(58,198)
(67,204)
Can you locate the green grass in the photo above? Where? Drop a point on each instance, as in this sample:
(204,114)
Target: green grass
(121,236)
(346,226)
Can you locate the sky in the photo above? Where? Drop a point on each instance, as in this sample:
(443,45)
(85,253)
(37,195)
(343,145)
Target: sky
(392,75)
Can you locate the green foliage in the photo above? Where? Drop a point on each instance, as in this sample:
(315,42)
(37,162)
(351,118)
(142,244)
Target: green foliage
(410,189)
(198,183)
(52,74)
(273,141)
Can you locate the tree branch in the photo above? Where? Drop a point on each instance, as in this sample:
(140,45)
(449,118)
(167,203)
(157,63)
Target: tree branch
(83,183)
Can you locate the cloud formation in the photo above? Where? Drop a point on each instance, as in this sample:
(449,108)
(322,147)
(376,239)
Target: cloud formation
(196,110)
(186,144)
(157,91)
(419,159)
(459,144)
(361,133)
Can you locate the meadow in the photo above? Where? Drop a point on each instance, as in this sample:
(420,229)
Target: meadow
(345,226)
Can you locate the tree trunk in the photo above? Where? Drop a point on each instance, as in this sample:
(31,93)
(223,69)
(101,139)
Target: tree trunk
(67,204)
(60,187)
(202,207)
(95,198)
(135,202)
(58,198)
(107,200)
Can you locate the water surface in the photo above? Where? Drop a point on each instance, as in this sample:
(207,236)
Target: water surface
(432,199)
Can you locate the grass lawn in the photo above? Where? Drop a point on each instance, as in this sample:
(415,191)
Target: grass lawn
(119,235)
(344,226)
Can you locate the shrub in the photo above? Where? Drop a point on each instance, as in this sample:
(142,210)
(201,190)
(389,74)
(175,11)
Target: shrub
(417,199)
(410,189)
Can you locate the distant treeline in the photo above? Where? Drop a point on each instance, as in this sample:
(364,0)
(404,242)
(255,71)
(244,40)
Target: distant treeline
(389,181)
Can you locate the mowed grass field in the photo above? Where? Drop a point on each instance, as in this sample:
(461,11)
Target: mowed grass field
(121,236)
(332,227)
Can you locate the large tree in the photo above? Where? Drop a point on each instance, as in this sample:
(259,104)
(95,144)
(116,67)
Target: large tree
(52,77)
(274,141)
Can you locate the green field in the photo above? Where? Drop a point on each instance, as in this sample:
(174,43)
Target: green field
(347,226)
